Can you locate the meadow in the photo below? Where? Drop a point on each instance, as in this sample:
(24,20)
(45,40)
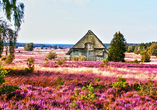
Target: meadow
(78,85)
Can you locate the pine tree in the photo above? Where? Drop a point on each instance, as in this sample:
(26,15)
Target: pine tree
(117,48)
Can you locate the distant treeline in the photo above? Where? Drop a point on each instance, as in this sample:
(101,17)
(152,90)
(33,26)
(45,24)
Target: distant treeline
(57,45)
(137,48)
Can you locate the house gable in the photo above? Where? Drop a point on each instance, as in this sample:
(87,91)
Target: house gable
(92,38)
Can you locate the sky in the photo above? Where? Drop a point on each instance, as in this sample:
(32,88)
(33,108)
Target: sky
(67,21)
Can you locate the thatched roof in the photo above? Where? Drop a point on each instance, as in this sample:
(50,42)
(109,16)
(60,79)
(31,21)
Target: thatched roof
(89,37)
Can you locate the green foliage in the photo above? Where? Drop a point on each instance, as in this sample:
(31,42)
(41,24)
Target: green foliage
(148,88)
(47,60)
(130,48)
(145,56)
(90,94)
(120,84)
(3,58)
(1,47)
(136,86)
(152,50)
(104,62)
(51,55)
(59,81)
(15,9)
(30,64)
(29,47)
(74,103)
(54,47)
(60,61)
(117,48)
(2,74)
(74,58)
(7,35)
(96,79)
(9,59)
(81,58)
(136,50)
(89,90)
(136,61)
(5,89)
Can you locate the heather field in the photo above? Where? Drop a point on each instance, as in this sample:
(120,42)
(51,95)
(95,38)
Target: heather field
(78,85)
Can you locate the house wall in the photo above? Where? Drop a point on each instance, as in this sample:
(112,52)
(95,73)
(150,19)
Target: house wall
(91,55)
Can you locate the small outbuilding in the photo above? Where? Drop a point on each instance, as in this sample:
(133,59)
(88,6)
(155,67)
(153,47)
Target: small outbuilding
(90,47)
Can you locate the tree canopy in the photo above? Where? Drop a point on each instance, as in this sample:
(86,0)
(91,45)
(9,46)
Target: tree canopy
(14,11)
(152,50)
(117,48)
(29,47)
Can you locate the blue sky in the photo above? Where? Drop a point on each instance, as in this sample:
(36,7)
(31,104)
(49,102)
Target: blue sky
(67,21)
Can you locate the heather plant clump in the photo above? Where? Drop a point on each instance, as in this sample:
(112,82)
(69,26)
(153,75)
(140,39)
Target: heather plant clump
(85,95)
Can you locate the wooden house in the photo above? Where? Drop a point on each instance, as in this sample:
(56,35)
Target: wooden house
(90,47)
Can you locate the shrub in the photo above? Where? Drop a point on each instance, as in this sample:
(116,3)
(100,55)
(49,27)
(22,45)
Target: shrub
(3,58)
(89,95)
(104,62)
(30,64)
(145,56)
(29,47)
(9,59)
(136,61)
(81,58)
(47,61)
(60,61)
(74,58)
(120,84)
(51,55)
(135,86)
